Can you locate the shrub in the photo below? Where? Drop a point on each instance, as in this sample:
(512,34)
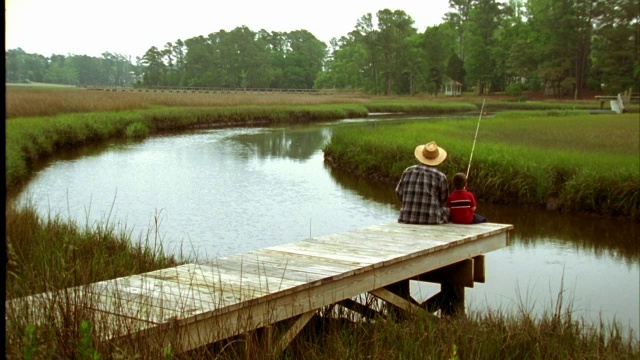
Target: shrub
(137,130)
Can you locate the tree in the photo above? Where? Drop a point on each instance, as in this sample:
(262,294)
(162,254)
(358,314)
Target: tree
(116,69)
(563,37)
(23,67)
(616,48)
(199,61)
(394,27)
(59,72)
(458,19)
(245,58)
(179,51)
(304,59)
(437,52)
(345,66)
(155,68)
(480,43)
(16,65)
(455,68)
(367,36)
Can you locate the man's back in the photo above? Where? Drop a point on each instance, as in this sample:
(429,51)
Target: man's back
(423,191)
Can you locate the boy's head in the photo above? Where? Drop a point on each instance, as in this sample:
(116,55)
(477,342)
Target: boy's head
(459,181)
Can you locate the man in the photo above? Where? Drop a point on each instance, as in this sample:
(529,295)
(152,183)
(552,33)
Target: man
(423,188)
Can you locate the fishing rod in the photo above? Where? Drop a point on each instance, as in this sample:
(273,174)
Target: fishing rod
(475,137)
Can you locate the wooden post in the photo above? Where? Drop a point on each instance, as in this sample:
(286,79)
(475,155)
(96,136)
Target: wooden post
(452,300)
(453,279)
(403,290)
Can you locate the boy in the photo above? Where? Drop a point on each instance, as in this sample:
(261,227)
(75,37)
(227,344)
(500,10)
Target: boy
(462,204)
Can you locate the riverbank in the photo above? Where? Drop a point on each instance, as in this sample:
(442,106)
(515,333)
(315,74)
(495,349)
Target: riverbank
(534,159)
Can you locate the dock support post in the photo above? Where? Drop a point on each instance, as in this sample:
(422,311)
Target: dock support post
(401,289)
(453,279)
(361,309)
(294,330)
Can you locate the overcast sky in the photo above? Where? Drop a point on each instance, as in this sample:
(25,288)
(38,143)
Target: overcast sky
(131,27)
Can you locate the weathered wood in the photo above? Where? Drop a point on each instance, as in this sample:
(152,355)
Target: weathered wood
(460,273)
(478,269)
(192,305)
(287,337)
(396,300)
(359,308)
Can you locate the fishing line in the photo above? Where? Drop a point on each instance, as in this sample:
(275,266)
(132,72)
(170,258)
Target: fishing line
(475,137)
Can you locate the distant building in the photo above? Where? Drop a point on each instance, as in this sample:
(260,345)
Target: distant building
(451,87)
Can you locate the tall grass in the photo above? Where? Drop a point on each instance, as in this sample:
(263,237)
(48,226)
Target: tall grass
(589,162)
(492,106)
(419,107)
(54,253)
(35,101)
(492,335)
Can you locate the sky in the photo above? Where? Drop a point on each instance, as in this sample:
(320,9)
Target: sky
(131,27)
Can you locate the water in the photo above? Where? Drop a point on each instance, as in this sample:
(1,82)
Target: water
(218,192)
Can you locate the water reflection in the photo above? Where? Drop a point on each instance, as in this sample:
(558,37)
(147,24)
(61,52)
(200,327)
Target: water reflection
(291,143)
(614,238)
(374,191)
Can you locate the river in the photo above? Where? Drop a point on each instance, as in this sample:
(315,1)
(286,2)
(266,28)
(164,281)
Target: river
(212,193)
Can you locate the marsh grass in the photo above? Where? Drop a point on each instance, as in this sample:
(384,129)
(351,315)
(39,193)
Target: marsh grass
(491,106)
(419,107)
(55,257)
(589,162)
(37,101)
(55,253)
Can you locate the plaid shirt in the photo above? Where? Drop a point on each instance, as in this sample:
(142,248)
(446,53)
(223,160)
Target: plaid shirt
(423,191)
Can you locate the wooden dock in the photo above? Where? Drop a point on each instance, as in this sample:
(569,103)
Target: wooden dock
(192,305)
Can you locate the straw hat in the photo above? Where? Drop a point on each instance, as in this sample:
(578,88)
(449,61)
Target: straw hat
(430,154)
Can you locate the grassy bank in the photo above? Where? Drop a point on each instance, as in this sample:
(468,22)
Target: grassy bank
(587,163)
(53,253)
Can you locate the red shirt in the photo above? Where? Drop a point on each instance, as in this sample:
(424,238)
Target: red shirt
(461,204)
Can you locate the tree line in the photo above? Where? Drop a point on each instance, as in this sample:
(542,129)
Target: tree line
(562,47)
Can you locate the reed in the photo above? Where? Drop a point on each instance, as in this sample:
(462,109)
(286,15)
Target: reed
(54,253)
(588,162)
(37,101)
(419,107)
(492,106)
(475,336)
(28,101)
